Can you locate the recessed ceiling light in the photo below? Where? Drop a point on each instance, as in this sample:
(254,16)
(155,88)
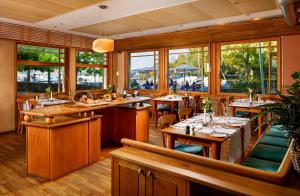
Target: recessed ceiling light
(256,18)
(103,7)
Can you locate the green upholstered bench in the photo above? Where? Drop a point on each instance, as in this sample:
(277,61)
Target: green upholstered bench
(261,164)
(274,141)
(270,150)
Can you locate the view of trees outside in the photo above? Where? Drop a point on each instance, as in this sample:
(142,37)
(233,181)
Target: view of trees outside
(89,74)
(188,69)
(237,61)
(143,70)
(35,74)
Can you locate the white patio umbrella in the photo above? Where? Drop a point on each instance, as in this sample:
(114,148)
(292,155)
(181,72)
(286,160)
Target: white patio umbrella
(183,68)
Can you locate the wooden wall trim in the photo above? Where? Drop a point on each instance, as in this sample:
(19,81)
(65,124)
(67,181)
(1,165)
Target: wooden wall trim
(230,32)
(34,35)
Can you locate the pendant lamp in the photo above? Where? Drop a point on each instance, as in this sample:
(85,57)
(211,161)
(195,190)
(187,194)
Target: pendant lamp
(102,45)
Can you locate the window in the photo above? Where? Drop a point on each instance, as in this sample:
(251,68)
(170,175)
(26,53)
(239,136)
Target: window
(249,65)
(91,70)
(38,68)
(143,70)
(188,69)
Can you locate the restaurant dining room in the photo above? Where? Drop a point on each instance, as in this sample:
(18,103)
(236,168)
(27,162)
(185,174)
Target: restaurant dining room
(150,97)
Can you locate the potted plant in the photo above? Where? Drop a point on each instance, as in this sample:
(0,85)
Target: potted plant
(287,113)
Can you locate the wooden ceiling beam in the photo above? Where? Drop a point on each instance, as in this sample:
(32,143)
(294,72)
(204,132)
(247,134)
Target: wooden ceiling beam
(230,32)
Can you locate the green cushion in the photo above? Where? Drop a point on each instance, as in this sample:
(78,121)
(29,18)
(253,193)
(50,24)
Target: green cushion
(189,148)
(269,153)
(162,107)
(277,133)
(261,164)
(242,114)
(274,141)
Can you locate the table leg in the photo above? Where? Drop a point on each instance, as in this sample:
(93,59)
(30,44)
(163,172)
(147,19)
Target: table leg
(155,111)
(216,150)
(170,141)
(242,129)
(172,107)
(259,121)
(232,111)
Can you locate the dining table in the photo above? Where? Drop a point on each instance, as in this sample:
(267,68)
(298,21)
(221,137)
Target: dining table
(171,100)
(244,105)
(211,136)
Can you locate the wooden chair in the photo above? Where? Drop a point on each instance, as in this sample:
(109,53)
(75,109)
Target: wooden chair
(184,113)
(198,104)
(223,105)
(168,120)
(20,101)
(216,106)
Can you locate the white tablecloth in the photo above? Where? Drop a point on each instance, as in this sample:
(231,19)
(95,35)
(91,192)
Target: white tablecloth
(219,127)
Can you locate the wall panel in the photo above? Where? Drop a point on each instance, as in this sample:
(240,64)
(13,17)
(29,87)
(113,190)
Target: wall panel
(7,85)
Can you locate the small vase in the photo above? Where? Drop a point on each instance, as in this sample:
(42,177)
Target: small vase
(204,119)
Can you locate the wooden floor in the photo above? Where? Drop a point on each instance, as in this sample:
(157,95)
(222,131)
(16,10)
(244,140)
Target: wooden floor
(92,180)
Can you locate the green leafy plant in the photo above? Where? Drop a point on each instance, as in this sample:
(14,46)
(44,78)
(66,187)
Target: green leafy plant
(174,89)
(286,111)
(48,91)
(109,89)
(206,104)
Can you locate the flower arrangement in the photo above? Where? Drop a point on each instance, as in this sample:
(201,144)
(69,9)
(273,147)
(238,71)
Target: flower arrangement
(48,91)
(251,94)
(206,104)
(109,89)
(174,89)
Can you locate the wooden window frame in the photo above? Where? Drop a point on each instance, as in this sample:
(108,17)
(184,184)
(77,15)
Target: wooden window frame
(83,65)
(160,69)
(218,64)
(38,63)
(209,74)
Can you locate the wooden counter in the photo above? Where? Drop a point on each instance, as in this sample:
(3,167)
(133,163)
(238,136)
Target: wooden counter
(63,138)
(67,109)
(62,147)
(154,170)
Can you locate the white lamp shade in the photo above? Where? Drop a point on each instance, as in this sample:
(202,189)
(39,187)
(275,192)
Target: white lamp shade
(103,45)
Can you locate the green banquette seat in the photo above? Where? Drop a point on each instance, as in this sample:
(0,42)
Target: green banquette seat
(270,150)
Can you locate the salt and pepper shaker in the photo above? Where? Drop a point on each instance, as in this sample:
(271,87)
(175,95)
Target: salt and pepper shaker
(187,130)
(193,131)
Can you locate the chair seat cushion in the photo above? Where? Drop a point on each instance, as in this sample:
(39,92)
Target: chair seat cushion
(163,107)
(261,164)
(274,141)
(269,153)
(189,148)
(242,114)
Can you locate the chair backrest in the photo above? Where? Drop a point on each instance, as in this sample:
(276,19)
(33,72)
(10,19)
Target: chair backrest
(32,103)
(167,120)
(186,102)
(230,99)
(198,104)
(219,106)
(184,113)
(223,105)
